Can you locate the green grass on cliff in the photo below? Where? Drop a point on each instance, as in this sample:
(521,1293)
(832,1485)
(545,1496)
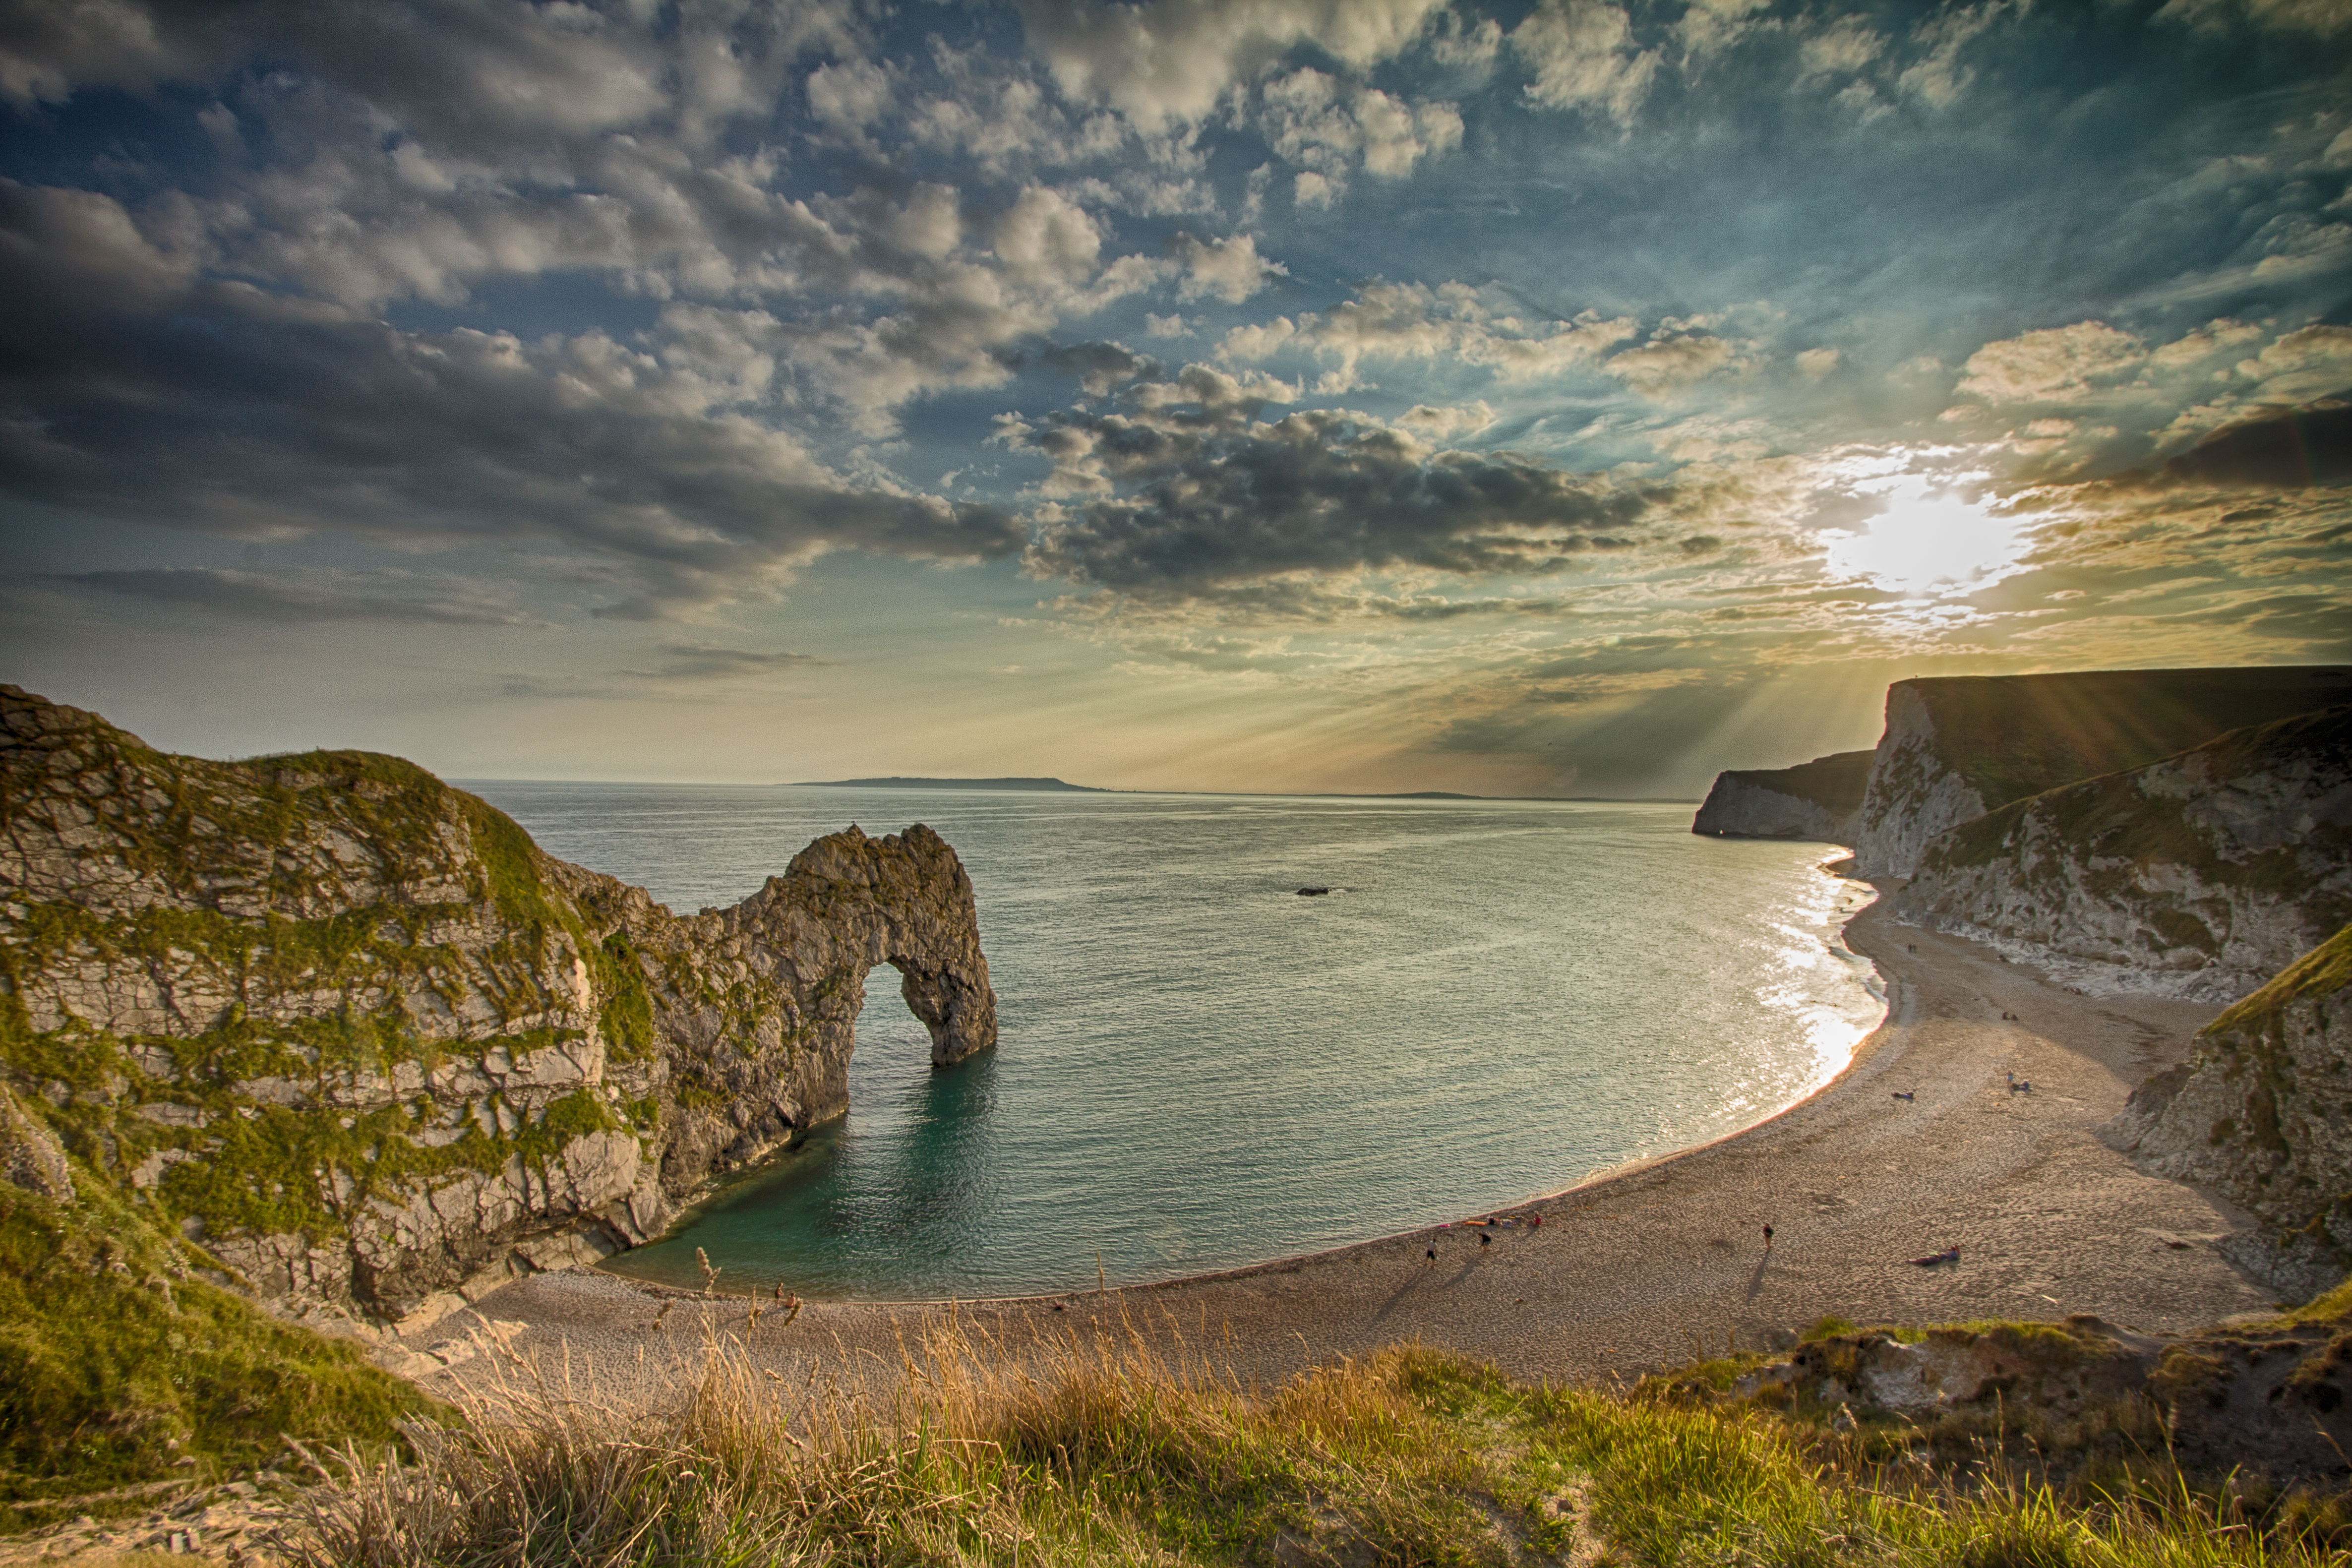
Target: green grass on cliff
(2323,971)
(1100,1451)
(120,1368)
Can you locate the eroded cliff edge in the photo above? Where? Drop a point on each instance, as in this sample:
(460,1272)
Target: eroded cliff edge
(2263,1115)
(2202,875)
(352,1032)
(1959,746)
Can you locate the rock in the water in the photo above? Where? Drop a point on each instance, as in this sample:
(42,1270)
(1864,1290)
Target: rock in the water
(1956,747)
(353,1031)
(2263,1115)
(2202,875)
(1819,799)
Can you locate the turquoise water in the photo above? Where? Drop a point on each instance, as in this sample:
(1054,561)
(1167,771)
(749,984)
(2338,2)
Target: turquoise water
(1198,1068)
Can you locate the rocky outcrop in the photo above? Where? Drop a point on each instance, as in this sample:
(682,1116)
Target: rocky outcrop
(1955,748)
(2263,1115)
(1819,799)
(355,1033)
(2202,875)
(2255,1399)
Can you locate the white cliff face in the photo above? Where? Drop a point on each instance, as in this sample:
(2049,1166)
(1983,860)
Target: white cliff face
(352,1032)
(1914,792)
(2200,876)
(2262,1114)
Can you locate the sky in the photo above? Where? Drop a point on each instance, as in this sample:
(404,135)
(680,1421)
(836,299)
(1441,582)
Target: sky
(1556,398)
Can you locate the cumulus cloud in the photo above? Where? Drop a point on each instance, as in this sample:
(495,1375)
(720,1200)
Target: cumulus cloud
(1230,269)
(1174,61)
(1583,56)
(1816,363)
(1330,128)
(1191,492)
(2056,365)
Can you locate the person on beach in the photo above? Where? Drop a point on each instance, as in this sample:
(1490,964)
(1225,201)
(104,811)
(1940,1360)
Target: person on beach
(1768,1238)
(1484,1241)
(1432,1259)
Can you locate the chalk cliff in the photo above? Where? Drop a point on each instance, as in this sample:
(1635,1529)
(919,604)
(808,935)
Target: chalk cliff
(1956,747)
(2203,874)
(2263,1115)
(353,1031)
(1819,799)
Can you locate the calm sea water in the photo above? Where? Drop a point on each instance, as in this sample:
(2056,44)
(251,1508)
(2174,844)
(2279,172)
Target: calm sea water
(1198,1068)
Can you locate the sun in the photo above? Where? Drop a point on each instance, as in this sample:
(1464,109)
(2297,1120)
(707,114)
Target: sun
(1929,541)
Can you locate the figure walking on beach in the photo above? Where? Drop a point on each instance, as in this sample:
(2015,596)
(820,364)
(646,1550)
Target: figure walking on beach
(1768,1238)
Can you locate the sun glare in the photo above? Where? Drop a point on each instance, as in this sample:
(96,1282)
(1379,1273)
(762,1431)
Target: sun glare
(1926,541)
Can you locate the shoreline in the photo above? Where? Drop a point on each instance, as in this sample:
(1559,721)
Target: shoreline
(1875,985)
(1635,1268)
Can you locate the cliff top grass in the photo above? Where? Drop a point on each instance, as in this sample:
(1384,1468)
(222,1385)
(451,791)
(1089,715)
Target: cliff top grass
(123,1370)
(1099,1450)
(2112,818)
(2011,736)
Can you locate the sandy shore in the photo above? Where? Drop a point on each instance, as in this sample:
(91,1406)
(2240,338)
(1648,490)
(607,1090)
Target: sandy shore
(1641,1269)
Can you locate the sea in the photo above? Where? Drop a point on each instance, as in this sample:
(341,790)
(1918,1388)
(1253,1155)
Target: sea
(1198,1069)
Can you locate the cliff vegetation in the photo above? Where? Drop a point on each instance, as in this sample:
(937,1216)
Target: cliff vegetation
(1099,1451)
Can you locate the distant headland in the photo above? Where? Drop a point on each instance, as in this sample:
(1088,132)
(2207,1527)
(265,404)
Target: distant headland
(896,782)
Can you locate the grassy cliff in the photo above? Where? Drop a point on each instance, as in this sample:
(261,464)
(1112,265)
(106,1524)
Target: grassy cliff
(1094,1450)
(127,1369)
(2011,736)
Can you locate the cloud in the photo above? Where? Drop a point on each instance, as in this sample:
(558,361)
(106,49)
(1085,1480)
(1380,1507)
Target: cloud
(1191,493)
(2056,365)
(1582,55)
(1416,322)
(1172,62)
(1816,363)
(1230,269)
(701,661)
(1841,48)
(1669,362)
(223,409)
(312,595)
(2322,17)
(1330,127)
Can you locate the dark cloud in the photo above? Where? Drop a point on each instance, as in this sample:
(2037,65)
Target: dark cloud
(312,597)
(1201,494)
(697,661)
(218,407)
(1101,367)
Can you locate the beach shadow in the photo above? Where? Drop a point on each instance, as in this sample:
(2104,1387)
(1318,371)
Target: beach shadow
(1755,1281)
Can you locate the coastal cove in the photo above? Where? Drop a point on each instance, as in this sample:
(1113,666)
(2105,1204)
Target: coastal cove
(1199,1070)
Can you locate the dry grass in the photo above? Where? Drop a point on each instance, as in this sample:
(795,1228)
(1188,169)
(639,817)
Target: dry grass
(1101,1448)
